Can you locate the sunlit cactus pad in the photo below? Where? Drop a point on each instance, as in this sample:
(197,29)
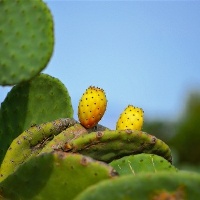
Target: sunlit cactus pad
(135,164)
(160,186)
(55,175)
(43,99)
(26,38)
(58,141)
(30,143)
(109,145)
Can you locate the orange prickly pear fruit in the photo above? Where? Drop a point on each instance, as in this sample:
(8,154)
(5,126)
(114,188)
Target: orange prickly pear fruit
(130,118)
(92,106)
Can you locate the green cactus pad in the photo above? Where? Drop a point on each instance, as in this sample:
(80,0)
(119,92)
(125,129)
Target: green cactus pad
(43,99)
(162,185)
(30,143)
(57,175)
(58,142)
(135,164)
(26,38)
(109,145)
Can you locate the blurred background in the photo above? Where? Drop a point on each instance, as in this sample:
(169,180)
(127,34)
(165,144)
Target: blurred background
(144,53)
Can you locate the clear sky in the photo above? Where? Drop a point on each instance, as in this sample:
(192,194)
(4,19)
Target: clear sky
(145,53)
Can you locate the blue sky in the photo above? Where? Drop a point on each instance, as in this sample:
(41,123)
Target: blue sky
(144,53)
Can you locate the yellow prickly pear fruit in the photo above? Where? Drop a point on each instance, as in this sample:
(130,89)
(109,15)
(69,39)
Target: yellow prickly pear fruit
(92,106)
(130,118)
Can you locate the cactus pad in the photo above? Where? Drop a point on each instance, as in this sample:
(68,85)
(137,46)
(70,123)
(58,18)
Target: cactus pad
(40,100)
(30,143)
(58,142)
(135,164)
(109,145)
(27,39)
(159,186)
(54,176)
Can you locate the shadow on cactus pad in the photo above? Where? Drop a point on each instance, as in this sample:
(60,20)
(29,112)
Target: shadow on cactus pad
(55,175)
(151,186)
(40,100)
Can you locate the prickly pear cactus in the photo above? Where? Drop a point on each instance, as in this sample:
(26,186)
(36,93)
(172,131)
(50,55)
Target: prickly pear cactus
(30,143)
(26,38)
(135,164)
(159,186)
(40,100)
(109,145)
(55,175)
(58,142)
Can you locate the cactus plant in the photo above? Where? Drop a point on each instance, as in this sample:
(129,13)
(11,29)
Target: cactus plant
(30,103)
(135,164)
(108,145)
(58,142)
(55,175)
(92,106)
(162,186)
(27,39)
(30,143)
(37,125)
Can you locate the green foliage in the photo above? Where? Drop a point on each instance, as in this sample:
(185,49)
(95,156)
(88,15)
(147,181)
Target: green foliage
(40,100)
(159,186)
(135,164)
(27,39)
(186,141)
(55,175)
(162,129)
(108,145)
